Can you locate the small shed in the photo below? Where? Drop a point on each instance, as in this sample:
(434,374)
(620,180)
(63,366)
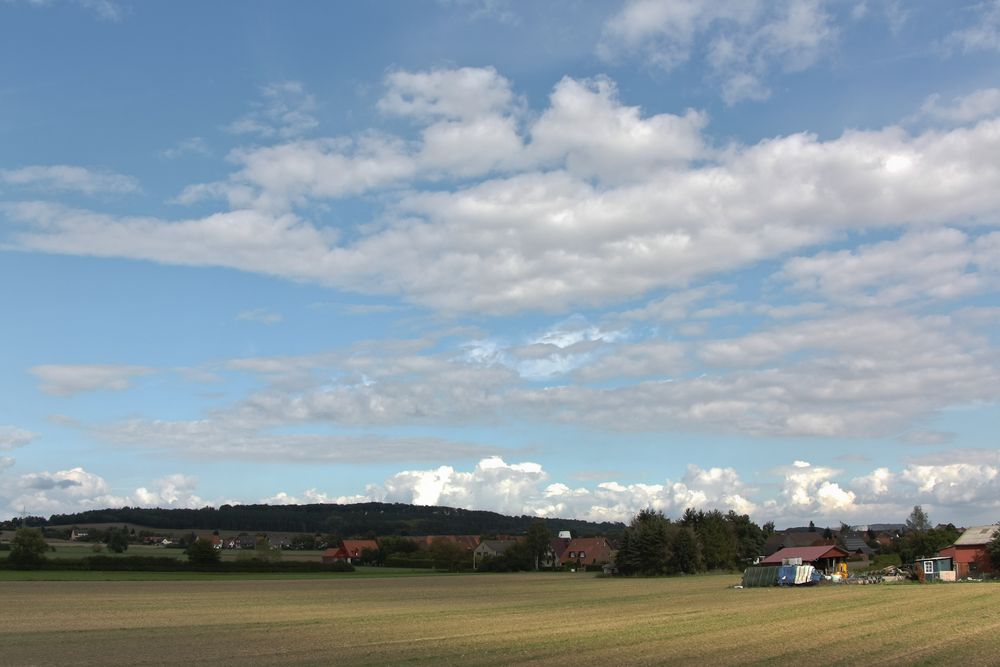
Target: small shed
(935,568)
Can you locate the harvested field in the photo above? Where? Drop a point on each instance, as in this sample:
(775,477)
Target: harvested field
(494,619)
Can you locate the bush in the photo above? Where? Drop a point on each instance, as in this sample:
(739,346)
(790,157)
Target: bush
(28,549)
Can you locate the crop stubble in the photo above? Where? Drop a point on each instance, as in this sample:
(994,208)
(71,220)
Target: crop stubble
(494,619)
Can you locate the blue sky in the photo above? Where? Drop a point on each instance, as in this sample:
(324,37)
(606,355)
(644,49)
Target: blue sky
(565,259)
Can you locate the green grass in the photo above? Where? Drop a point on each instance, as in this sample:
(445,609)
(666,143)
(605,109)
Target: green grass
(492,620)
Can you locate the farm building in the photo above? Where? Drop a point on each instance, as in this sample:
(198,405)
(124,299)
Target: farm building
(856,545)
(969,552)
(824,558)
(936,568)
(587,551)
(349,551)
(491,549)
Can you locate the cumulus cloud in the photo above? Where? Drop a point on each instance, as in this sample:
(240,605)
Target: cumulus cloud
(77,490)
(524,488)
(69,178)
(746,41)
(175,490)
(70,379)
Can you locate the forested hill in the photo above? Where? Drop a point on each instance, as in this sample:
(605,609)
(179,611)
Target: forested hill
(344,520)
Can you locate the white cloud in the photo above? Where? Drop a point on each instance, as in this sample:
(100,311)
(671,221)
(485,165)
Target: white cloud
(78,490)
(457,94)
(555,239)
(524,488)
(175,490)
(933,264)
(6,462)
(12,437)
(69,379)
(70,179)
(746,41)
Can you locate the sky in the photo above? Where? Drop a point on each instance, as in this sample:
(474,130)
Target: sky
(564,259)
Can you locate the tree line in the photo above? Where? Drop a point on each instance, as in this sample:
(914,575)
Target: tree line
(700,541)
(359,519)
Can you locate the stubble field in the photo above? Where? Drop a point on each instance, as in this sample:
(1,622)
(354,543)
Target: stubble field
(493,619)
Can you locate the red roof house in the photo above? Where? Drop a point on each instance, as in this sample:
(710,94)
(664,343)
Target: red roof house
(349,550)
(587,551)
(969,552)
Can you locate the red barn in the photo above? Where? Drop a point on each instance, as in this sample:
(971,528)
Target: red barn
(349,550)
(969,552)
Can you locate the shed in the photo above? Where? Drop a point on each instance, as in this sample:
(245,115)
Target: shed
(935,568)
(824,558)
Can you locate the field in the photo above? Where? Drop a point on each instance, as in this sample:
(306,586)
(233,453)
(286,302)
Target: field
(493,619)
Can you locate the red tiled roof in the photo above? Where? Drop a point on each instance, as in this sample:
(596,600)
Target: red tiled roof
(595,549)
(355,547)
(807,554)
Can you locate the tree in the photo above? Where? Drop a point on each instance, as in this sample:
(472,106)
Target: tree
(812,527)
(117,540)
(28,549)
(685,552)
(993,549)
(827,533)
(202,552)
(538,539)
(918,520)
(644,546)
(448,555)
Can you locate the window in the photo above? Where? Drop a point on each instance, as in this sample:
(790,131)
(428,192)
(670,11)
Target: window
(928,567)
(583,554)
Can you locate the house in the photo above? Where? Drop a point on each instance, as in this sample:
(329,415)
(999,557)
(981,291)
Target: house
(557,548)
(350,551)
(587,551)
(491,549)
(79,534)
(969,552)
(824,557)
(854,543)
(935,568)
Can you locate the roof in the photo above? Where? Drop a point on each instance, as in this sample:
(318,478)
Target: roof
(355,547)
(855,543)
(807,554)
(499,546)
(976,535)
(593,548)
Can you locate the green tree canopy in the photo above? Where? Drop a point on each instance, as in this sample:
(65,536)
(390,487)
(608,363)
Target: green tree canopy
(538,539)
(117,540)
(993,549)
(28,548)
(202,552)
